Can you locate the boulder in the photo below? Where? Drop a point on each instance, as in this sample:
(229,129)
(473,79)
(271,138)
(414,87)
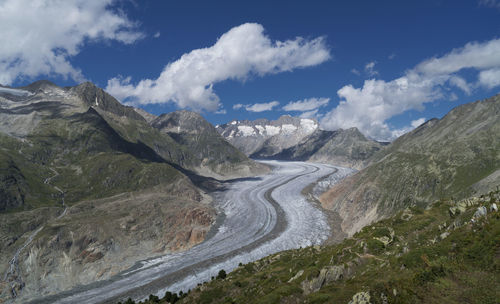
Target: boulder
(362,297)
(480,212)
(493,208)
(326,275)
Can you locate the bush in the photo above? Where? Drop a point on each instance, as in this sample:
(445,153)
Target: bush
(222,274)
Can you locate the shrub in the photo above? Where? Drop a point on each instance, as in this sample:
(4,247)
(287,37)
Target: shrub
(222,274)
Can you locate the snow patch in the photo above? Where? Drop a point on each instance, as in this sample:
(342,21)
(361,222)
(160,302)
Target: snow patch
(234,122)
(272,130)
(246,130)
(260,128)
(288,128)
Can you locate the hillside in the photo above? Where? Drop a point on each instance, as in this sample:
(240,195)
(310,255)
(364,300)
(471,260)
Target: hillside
(455,156)
(348,148)
(444,254)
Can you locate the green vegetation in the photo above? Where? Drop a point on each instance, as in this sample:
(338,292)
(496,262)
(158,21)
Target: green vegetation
(417,256)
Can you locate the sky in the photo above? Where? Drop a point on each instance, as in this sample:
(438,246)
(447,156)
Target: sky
(384,67)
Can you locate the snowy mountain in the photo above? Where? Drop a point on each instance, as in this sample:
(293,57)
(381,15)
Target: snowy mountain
(264,138)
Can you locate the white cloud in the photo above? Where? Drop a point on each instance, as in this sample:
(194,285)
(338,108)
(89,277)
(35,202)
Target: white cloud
(417,122)
(453,97)
(473,55)
(391,56)
(490,78)
(370,68)
(221,111)
(241,52)
(355,72)
(39,37)
(370,106)
(460,83)
(310,114)
(306,104)
(238,106)
(261,107)
(156,35)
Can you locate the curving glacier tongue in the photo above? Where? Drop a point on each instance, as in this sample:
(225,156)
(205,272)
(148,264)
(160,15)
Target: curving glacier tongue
(262,216)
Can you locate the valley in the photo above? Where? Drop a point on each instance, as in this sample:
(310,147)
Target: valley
(257,217)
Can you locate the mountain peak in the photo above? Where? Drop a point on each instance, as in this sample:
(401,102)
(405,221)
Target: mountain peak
(39,85)
(181,121)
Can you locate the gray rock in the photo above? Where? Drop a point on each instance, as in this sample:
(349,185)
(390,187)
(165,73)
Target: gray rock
(444,235)
(295,277)
(326,275)
(480,212)
(362,297)
(493,208)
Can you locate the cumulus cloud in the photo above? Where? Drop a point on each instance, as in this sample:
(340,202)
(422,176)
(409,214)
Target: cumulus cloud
(417,122)
(355,72)
(39,37)
(242,52)
(261,107)
(370,68)
(238,106)
(490,78)
(306,104)
(370,106)
(156,35)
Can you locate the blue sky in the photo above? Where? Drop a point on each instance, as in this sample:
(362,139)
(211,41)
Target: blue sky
(390,64)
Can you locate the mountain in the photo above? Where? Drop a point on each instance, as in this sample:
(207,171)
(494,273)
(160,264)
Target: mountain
(89,186)
(456,156)
(263,138)
(348,148)
(216,157)
(292,138)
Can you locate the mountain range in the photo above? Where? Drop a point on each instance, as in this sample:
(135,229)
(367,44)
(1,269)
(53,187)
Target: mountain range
(293,138)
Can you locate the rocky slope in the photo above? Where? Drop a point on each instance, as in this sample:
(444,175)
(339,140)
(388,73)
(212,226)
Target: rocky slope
(216,157)
(447,253)
(89,187)
(449,157)
(347,148)
(292,138)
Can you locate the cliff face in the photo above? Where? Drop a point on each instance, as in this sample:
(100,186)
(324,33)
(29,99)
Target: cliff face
(451,157)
